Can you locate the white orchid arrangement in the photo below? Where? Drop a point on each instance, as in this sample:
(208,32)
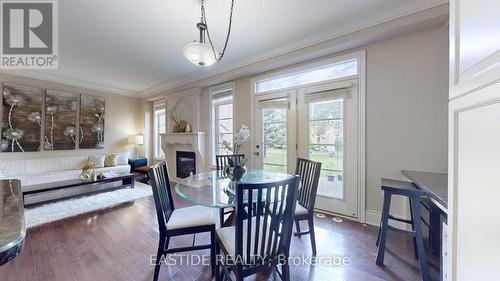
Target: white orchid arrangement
(240,138)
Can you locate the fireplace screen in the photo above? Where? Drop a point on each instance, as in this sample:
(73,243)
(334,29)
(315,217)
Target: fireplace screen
(185,163)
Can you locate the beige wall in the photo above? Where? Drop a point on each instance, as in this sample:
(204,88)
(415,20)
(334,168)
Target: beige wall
(406,109)
(124,116)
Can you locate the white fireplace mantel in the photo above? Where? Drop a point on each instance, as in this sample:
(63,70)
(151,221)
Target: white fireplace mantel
(192,141)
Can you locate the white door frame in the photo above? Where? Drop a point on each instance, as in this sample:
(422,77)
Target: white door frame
(361,57)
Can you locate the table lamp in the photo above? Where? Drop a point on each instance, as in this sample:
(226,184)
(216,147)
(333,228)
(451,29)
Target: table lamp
(136,140)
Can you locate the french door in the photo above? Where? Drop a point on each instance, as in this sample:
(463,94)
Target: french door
(327,118)
(317,123)
(275,132)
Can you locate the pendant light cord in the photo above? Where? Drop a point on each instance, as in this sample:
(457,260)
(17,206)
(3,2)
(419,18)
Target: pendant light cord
(204,20)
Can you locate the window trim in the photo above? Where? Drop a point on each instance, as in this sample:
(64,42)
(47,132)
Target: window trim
(229,86)
(158,107)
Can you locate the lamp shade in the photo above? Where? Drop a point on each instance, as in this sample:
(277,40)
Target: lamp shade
(136,139)
(200,54)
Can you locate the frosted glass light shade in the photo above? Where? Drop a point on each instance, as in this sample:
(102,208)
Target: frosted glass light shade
(136,139)
(200,54)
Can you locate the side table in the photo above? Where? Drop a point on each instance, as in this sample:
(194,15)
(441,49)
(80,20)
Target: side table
(139,167)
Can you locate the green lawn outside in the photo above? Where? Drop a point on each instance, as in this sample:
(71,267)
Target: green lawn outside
(277,156)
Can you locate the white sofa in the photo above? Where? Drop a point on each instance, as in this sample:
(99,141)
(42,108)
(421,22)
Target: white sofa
(38,171)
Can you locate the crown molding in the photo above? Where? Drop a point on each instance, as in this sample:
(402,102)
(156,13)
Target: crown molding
(385,29)
(390,27)
(49,77)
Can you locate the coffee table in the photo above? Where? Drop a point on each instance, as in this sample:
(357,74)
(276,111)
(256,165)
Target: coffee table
(127,179)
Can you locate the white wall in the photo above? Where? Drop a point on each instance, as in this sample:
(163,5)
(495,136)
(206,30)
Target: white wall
(123,117)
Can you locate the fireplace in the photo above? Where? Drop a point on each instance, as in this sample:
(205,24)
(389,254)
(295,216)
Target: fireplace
(185,163)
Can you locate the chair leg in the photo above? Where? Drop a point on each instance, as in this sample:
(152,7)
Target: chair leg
(158,264)
(311,234)
(218,271)
(378,235)
(213,242)
(424,269)
(285,272)
(413,218)
(297,227)
(162,245)
(383,229)
(221,217)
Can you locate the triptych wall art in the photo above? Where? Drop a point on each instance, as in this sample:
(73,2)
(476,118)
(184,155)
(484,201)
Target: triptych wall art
(34,119)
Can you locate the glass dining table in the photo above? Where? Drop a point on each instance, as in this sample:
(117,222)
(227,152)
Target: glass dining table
(213,189)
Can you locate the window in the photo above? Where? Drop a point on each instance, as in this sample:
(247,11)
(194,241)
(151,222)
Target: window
(222,121)
(159,127)
(329,72)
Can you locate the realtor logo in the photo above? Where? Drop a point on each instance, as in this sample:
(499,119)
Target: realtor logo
(29,35)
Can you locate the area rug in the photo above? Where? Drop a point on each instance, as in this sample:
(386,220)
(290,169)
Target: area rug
(72,207)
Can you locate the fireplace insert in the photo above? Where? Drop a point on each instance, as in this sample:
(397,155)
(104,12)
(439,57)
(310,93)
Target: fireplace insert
(185,163)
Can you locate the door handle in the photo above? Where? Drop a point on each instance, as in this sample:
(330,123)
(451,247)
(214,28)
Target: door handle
(256,153)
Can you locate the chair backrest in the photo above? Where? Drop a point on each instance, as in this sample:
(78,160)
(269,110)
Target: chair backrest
(309,172)
(264,228)
(222,160)
(161,193)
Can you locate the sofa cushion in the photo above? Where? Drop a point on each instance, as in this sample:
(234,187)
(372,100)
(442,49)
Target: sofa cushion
(116,169)
(122,158)
(110,160)
(97,160)
(11,168)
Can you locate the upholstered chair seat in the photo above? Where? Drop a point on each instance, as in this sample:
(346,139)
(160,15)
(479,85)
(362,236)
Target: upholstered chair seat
(190,217)
(227,236)
(299,210)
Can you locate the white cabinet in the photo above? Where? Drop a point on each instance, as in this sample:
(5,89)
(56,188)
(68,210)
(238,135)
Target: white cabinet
(474,45)
(444,252)
(474,141)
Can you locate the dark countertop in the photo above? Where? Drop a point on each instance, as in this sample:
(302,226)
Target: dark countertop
(435,184)
(12,225)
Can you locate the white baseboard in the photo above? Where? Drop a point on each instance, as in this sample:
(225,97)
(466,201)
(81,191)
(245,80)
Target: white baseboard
(374,217)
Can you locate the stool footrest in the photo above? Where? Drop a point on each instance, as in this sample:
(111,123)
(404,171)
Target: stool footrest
(400,220)
(390,227)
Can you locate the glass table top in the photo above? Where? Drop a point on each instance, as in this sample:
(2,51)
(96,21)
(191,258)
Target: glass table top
(212,189)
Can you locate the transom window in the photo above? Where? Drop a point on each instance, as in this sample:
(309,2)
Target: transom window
(324,73)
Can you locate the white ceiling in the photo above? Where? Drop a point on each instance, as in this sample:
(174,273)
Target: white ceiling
(131,46)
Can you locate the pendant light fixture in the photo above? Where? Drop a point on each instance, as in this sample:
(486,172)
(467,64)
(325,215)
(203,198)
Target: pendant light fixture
(200,52)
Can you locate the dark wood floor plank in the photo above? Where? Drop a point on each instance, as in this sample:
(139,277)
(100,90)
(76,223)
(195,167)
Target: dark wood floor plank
(8,272)
(25,267)
(117,244)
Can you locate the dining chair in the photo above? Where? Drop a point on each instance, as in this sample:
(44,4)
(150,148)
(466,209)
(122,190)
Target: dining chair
(221,161)
(309,172)
(176,222)
(260,241)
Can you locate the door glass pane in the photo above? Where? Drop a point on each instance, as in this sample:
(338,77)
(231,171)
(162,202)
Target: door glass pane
(326,145)
(274,139)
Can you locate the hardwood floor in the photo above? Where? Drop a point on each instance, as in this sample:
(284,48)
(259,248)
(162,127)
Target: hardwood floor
(117,243)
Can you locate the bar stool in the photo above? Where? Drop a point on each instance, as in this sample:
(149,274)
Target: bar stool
(407,189)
